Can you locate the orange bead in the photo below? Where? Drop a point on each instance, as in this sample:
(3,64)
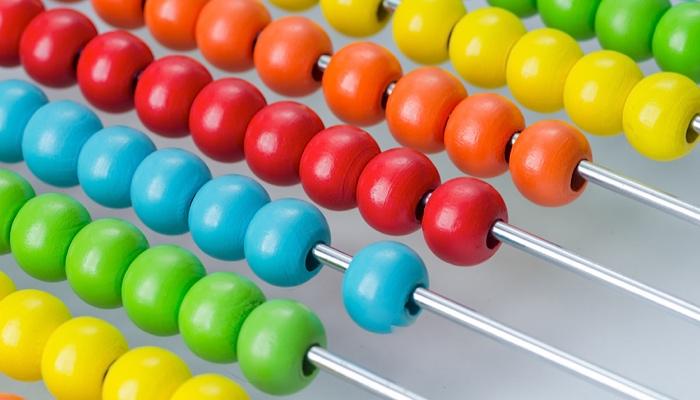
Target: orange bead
(356,79)
(419,106)
(127,14)
(286,54)
(543,163)
(173,22)
(479,131)
(227,30)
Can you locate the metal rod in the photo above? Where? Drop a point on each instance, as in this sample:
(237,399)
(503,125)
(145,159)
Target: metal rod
(695,124)
(322,62)
(391,5)
(331,257)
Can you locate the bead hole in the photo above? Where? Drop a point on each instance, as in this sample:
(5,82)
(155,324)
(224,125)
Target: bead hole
(382,13)
(412,308)
(422,203)
(307,367)
(577,181)
(312,263)
(491,241)
(691,136)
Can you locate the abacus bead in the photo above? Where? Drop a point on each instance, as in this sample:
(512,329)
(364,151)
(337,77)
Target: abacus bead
(355,82)
(6,285)
(163,187)
(675,43)
(479,132)
(279,241)
(19,100)
(213,312)
(521,8)
(220,116)
(378,287)
(422,28)
(332,163)
(108,68)
(98,258)
(543,163)
(418,108)
(173,22)
(276,138)
(538,66)
(657,115)
(458,220)
(286,53)
(51,44)
(355,17)
(294,5)
(78,355)
(273,343)
(575,17)
(42,232)
(165,92)
(15,191)
(597,88)
(391,187)
(126,14)
(221,212)
(155,285)
(227,31)
(108,161)
(15,15)
(210,387)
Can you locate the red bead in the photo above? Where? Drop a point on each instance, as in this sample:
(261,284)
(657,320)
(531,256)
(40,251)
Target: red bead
(391,187)
(15,15)
(458,219)
(276,138)
(165,93)
(220,116)
(51,44)
(108,68)
(332,163)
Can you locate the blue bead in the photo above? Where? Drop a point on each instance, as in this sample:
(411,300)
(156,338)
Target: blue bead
(107,164)
(163,188)
(279,240)
(221,212)
(378,286)
(19,100)
(53,139)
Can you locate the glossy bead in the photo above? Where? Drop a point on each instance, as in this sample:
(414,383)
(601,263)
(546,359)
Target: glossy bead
(391,188)
(538,66)
(42,232)
(165,92)
(356,80)
(6,285)
(221,212)
(273,343)
(378,287)
(15,15)
(155,285)
(675,40)
(210,387)
(27,319)
(108,161)
(355,17)
(19,100)
(227,31)
(220,116)
(575,17)
(276,138)
(521,8)
(294,5)
(480,44)
(627,26)
(458,220)
(108,68)
(213,312)
(173,22)
(163,187)
(419,106)
(657,115)
(279,241)
(9,396)
(543,163)
(78,355)
(479,132)
(332,163)
(597,88)
(98,258)
(127,14)
(15,191)
(51,44)
(286,53)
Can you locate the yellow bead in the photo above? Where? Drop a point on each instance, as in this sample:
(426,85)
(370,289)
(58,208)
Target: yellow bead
(294,5)
(538,66)
(480,44)
(6,285)
(145,373)
(597,88)
(27,319)
(77,357)
(422,28)
(658,113)
(210,387)
(355,17)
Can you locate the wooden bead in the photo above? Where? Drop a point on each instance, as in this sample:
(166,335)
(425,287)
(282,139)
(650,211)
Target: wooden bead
(15,15)
(675,43)
(575,17)
(210,387)
(627,26)
(355,17)
(126,14)
(173,22)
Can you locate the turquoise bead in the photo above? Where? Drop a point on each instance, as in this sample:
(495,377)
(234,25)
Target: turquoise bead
(627,26)
(19,100)
(676,43)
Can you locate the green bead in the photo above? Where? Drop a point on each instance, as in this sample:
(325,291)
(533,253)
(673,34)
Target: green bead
(42,232)
(155,285)
(627,26)
(98,258)
(575,17)
(676,41)
(15,191)
(213,312)
(521,8)
(273,343)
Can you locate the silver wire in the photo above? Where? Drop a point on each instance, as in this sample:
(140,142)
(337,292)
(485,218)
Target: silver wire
(391,5)
(331,257)
(322,62)
(695,124)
